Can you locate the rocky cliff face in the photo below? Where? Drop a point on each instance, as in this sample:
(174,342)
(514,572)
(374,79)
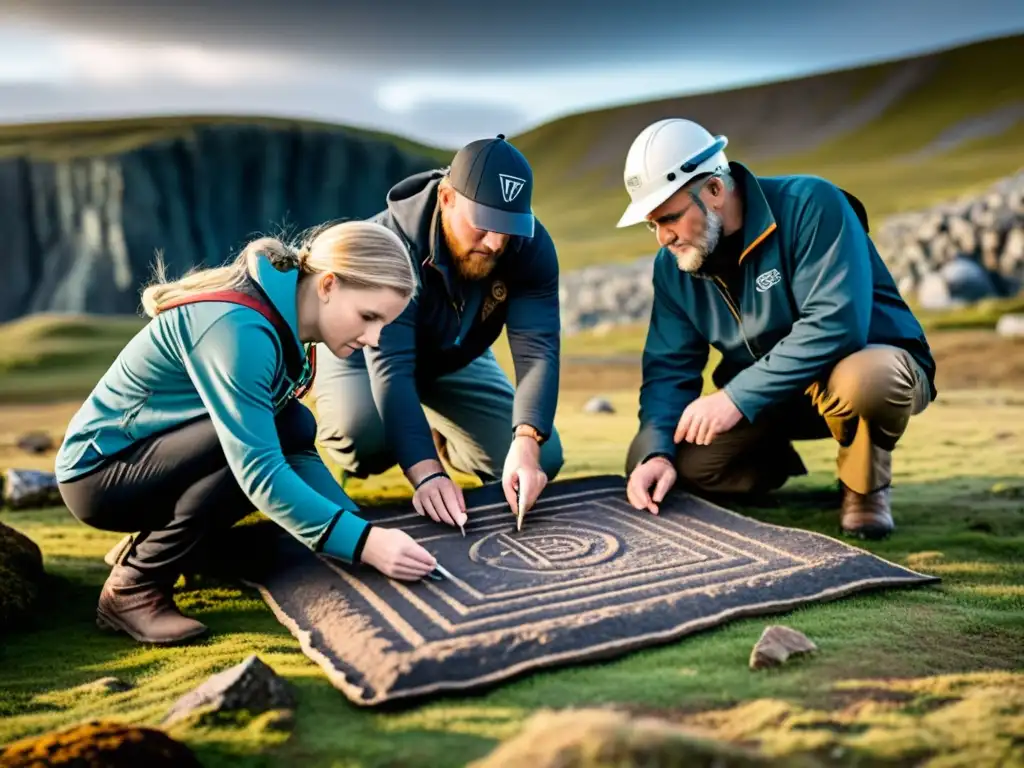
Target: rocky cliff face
(81,234)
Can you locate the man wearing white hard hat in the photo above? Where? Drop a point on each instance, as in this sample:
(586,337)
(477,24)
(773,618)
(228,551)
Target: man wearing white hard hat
(779,275)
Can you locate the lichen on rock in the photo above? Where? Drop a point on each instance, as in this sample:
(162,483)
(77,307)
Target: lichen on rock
(21,576)
(100,744)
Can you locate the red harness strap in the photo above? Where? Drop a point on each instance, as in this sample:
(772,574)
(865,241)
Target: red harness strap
(283,331)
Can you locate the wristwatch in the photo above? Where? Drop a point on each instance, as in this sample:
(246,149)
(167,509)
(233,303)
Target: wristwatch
(525,430)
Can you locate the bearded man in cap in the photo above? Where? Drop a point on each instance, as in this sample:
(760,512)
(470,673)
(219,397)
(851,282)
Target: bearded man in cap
(781,277)
(433,386)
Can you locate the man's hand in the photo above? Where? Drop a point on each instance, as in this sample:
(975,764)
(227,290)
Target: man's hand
(522,475)
(440,498)
(706,418)
(658,472)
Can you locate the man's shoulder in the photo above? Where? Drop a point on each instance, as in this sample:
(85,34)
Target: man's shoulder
(793,194)
(802,196)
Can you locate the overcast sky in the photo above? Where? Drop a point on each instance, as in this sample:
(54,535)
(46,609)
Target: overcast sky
(450,74)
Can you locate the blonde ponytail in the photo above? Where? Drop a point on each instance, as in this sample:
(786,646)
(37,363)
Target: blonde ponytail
(361,254)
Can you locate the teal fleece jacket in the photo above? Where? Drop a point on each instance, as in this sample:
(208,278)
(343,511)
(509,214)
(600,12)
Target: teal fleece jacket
(224,361)
(809,289)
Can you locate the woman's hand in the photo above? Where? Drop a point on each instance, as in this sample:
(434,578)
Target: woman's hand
(394,553)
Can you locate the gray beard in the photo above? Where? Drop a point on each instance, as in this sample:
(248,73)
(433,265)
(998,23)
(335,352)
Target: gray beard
(691,258)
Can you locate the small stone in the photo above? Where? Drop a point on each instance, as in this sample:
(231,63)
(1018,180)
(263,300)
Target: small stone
(933,292)
(251,686)
(27,488)
(35,442)
(777,644)
(106,685)
(1011,326)
(598,405)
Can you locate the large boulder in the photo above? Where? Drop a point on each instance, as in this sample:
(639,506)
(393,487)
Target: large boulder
(21,576)
(600,738)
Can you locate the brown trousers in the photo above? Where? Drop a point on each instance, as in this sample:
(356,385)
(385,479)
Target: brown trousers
(864,404)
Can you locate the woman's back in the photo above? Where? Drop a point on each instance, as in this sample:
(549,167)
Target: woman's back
(178,368)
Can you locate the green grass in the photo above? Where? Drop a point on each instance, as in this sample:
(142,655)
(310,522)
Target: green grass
(34,348)
(49,357)
(959,504)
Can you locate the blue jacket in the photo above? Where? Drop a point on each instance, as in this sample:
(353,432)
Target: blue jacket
(804,288)
(452,322)
(224,361)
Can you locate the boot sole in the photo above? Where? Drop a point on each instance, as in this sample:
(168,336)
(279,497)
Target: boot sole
(874,534)
(108,623)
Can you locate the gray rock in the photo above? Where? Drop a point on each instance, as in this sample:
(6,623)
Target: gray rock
(967,280)
(1011,326)
(777,644)
(250,686)
(30,488)
(598,405)
(35,442)
(933,293)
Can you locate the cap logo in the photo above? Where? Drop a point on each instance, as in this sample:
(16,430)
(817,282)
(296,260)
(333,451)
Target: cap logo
(511,186)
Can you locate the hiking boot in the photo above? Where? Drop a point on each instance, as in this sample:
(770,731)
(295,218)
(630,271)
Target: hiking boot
(145,610)
(866,516)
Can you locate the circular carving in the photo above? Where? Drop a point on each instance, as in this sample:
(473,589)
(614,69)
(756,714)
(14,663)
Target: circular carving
(499,291)
(545,549)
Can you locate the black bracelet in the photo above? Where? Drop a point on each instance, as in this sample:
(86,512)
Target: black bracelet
(428,478)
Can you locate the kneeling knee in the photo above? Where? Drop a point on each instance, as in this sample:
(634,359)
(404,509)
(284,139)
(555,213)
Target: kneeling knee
(876,382)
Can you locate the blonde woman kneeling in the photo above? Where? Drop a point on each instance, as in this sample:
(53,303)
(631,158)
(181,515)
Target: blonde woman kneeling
(198,420)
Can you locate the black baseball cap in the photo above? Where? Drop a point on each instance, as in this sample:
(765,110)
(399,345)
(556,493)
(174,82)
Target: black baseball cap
(497,184)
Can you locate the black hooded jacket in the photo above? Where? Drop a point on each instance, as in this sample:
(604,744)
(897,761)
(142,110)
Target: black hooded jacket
(451,322)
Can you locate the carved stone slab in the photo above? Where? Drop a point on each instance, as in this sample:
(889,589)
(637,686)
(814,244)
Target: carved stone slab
(587,578)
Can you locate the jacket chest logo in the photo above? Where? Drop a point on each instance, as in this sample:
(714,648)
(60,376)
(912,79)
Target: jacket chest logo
(498,294)
(767,279)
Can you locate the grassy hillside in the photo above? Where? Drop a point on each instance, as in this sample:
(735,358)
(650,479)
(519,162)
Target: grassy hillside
(82,138)
(51,357)
(869,129)
(901,135)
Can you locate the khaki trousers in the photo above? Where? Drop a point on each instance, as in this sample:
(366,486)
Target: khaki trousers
(864,404)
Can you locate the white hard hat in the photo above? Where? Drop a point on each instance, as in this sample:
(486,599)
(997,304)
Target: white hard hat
(665,156)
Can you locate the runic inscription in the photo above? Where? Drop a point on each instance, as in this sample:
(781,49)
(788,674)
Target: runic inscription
(552,548)
(587,577)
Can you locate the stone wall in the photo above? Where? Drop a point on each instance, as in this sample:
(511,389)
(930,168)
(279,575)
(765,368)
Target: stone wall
(953,253)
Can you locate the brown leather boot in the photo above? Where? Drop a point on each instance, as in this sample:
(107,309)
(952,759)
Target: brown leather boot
(143,609)
(866,516)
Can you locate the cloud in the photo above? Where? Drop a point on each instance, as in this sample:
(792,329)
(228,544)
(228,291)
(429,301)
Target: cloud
(107,61)
(441,71)
(452,123)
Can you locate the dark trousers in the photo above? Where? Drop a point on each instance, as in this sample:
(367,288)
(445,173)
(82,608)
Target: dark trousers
(175,489)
